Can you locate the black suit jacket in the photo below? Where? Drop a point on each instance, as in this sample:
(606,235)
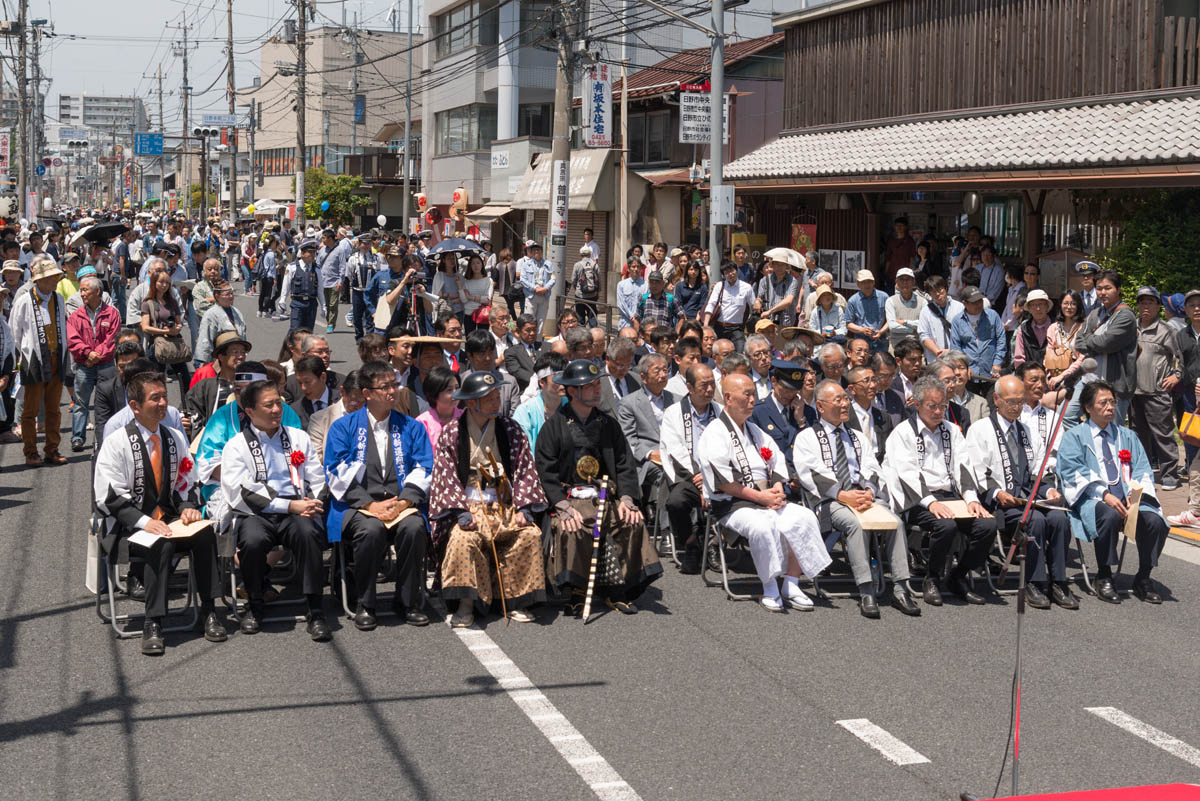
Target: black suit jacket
(107,401)
(304,407)
(608,400)
(519,364)
(291,389)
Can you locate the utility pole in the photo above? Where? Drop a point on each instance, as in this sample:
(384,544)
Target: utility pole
(404,196)
(301,69)
(23,164)
(716,148)
(560,148)
(36,124)
(162,160)
(623,233)
(354,87)
(232,91)
(185,159)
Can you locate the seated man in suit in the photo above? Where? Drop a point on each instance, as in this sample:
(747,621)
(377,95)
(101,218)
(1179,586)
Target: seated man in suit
(777,413)
(928,464)
(350,402)
(641,415)
(144,480)
(206,396)
(312,345)
(315,392)
(481,355)
(888,399)
(955,413)
(1005,457)
(620,381)
(910,358)
(378,464)
(872,422)
(744,482)
(518,360)
(976,405)
(837,467)
(272,479)
(686,353)
(110,392)
(682,425)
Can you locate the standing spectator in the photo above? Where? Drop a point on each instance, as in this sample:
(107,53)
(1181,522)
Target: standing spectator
(865,311)
(268,272)
(629,292)
(933,326)
(585,282)
(991,275)
(1110,334)
(1062,358)
(658,305)
(91,339)
(362,266)
(900,250)
(202,292)
(903,309)
(728,304)
(39,327)
(1087,271)
(162,317)
(475,293)
(1010,315)
(691,292)
(778,291)
(331,263)
(1157,373)
(508,282)
(1189,349)
(223,316)
(590,244)
(123,268)
(925,266)
(1032,334)
(745,270)
(977,333)
(537,280)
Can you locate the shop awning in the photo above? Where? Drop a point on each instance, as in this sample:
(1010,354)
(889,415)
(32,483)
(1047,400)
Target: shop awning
(1131,139)
(670,175)
(591,182)
(486,215)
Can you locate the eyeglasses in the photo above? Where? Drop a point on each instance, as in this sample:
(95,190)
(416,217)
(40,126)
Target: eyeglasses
(386,387)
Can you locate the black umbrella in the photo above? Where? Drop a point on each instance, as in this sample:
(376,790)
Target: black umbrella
(455,245)
(105,232)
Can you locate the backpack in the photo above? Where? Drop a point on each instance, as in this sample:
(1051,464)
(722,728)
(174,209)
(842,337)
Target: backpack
(137,252)
(589,280)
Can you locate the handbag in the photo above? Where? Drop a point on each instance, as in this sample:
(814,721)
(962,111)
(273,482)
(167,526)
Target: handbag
(1189,429)
(481,313)
(168,349)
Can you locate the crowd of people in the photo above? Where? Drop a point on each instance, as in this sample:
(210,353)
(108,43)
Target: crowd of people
(917,428)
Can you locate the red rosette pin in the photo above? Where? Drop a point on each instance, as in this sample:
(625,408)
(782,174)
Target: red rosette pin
(765,453)
(186,466)
(297,458)
(1124,456)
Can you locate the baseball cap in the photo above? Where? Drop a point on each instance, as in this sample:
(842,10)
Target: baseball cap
(655,275)
(973,294)
(903,272)
(1037,294)
(864,275)
(1148,292)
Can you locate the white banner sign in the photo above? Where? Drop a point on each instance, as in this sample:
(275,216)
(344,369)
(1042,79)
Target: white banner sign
(561,171)
(695,118)
(597,106)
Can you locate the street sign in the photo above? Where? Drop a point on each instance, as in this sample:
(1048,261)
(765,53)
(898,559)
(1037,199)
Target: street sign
(695,118)
(58,162)
(46,162)
(67,134)
(597,106)
(147,144)
(41,169)
(108,161)
(220,120)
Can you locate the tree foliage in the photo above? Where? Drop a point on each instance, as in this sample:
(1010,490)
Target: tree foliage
(1159,243)
(320,186)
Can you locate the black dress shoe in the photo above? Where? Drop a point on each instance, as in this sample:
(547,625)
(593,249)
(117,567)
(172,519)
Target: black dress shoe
(1106,592)
(1143,590)
(960,587)
(1035,597)
(902,600)
(214,628)
(318,629)
(933,596)
(135,588)
(364,620)
(250,622)
(152,639)
(869,607)
(415,617)
(1064,597)
(689,563)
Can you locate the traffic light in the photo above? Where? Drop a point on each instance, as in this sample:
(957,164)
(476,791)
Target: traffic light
(201,132)
(77,144)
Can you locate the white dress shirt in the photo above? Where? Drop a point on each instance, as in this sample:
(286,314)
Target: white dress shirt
(866,423)
(379,433)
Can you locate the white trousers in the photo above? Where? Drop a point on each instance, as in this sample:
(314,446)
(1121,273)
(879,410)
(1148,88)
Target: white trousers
(539,307)
(770,532)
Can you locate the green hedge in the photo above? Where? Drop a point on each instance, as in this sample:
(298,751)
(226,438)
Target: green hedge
(1159,243)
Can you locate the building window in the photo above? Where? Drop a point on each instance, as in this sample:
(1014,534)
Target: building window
(1002,222)
(464,129)
(537,21)
(535,119)
(637,139)
(650,138)
(470,24)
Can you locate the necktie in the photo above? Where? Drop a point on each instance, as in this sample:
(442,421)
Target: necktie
(318,405)
(156,468)
(1017,453)
(841,468)
(1110,464)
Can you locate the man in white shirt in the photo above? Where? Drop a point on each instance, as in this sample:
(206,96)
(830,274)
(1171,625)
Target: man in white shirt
(928,464)
(537,280)
(903,309)
(629,291)
(933,325)
(591,245)
(686,354)
(758,350)
(727,307)
(991,275)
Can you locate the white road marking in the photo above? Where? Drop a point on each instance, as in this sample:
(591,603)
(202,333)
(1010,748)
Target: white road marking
(1182,550)
(881,740)
(1172,745)
(571,745)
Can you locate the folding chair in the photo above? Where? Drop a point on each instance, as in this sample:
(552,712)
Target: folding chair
(107,583)
(1082,546)
(720,539)
(226,550)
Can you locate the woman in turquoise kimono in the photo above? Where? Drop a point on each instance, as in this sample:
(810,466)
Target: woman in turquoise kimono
(1098,461)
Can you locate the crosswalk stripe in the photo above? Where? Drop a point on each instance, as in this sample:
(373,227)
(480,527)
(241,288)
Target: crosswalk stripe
(893,749)
(1172,745)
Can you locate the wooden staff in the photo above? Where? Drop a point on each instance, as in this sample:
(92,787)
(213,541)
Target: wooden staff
(587,600)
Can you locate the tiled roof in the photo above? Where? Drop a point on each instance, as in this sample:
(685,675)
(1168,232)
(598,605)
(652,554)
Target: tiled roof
(1122,132)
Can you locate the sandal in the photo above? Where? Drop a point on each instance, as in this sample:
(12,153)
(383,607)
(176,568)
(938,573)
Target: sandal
(521,616)
(624,607)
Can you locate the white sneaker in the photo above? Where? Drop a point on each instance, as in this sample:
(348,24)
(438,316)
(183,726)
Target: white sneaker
(771,604)
(800,602)
(1185,518)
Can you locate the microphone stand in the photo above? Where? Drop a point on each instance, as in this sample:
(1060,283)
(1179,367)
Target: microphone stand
(1021,538)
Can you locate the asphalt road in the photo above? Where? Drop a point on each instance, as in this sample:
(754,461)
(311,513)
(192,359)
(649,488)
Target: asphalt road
(693,698)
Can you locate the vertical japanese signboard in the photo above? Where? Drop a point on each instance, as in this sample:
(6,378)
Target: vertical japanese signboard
(597,106)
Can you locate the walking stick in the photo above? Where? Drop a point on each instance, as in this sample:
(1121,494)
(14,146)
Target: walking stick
(491,538)
(587,600)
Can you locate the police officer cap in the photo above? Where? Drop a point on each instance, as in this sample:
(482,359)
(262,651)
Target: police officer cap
(578,373)
(790,374)
(309,244)
(414,237)
(478,384)
(166,248)
(1087,268)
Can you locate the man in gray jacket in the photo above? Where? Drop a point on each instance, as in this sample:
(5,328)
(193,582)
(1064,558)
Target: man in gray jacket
(640,416)
(1110,334)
